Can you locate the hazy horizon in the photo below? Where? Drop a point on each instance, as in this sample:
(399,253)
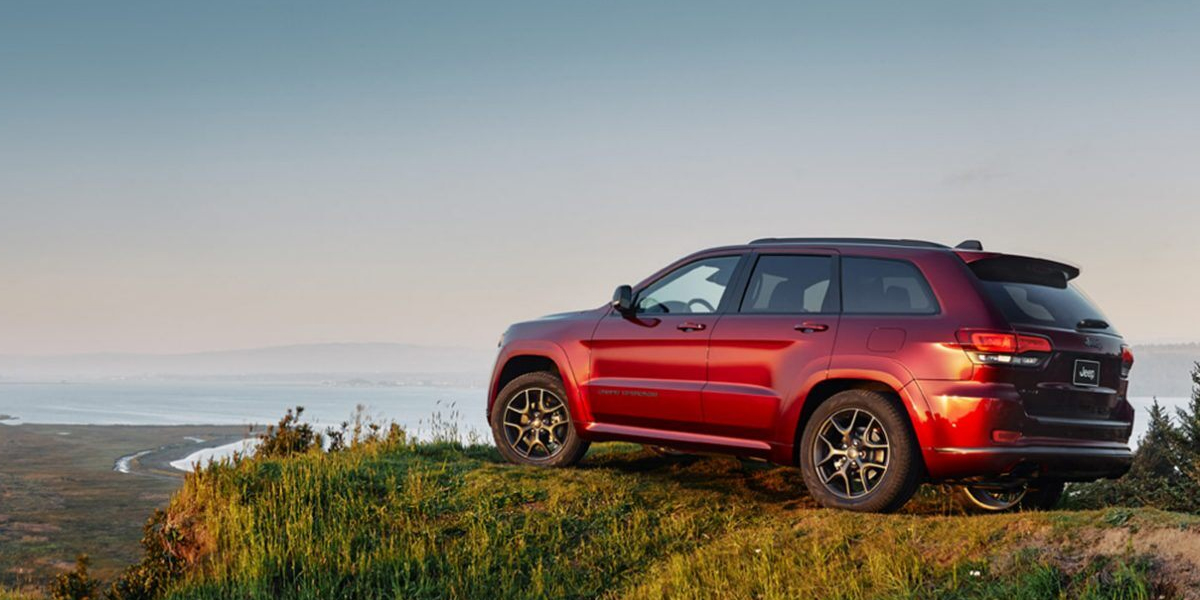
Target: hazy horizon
(1161,370)
(250,349)
(179,179)
(447,347)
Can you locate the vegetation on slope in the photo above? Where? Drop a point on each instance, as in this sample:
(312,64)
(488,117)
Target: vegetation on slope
(392,519)
(381,516)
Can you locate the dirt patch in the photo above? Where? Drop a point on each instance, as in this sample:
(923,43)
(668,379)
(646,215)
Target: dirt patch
(1177,551)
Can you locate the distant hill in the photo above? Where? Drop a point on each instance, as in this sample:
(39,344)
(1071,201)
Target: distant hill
(367,360)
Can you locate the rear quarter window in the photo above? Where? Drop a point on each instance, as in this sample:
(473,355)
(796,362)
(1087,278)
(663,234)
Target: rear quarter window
(885,287)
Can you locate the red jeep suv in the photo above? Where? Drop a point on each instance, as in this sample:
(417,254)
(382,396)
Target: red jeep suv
(871,364)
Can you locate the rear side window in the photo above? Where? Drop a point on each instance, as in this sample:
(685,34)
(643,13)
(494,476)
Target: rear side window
(886,287)
(791,284)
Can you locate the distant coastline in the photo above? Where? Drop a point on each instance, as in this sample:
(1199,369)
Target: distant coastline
(396,363)
(242,405)
(1159,369)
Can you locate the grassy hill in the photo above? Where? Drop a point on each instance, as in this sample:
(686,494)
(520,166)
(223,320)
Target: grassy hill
(392,519)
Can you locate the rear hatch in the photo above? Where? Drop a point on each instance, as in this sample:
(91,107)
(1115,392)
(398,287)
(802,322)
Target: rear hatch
(1079,391)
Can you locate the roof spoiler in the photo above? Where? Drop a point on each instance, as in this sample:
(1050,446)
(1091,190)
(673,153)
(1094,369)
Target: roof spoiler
(1023,269)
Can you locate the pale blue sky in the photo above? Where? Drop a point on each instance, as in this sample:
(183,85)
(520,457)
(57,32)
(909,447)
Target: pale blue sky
(220,175)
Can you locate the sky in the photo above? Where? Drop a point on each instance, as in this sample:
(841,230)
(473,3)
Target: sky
(180,177)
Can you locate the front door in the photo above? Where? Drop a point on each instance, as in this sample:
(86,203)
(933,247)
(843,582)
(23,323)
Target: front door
(648,367)
(772,345)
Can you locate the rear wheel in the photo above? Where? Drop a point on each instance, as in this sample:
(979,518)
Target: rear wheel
(532,424)
(989,499)
(1041,495)
(859,453)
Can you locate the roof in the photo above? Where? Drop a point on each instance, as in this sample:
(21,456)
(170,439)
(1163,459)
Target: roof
(850,241)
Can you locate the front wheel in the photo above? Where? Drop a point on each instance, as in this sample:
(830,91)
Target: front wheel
(532,425)
(859,453)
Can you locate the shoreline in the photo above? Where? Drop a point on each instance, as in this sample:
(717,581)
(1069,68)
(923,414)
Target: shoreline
(174,460)
(205,456)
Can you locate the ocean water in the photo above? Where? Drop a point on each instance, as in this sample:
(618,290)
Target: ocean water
(206,403)
(237,403)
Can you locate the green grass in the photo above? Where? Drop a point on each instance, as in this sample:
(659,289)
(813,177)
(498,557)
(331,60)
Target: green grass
(442,521)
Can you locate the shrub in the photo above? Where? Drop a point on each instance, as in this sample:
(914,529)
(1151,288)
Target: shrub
(361,429)
(166,547)
(76,584)
(1166,466)
(289,437)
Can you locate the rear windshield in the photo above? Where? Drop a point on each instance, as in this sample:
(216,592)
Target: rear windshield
(1042,305)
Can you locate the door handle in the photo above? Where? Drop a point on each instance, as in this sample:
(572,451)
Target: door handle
(689,326)
(809,327)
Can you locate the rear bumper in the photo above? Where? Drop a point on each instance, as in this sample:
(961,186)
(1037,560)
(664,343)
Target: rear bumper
(960,435)
(1067,463)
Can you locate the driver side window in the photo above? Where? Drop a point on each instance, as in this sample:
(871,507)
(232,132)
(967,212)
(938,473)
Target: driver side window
(694,288)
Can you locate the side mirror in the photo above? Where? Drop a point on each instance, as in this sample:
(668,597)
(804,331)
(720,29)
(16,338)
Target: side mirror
(623,299)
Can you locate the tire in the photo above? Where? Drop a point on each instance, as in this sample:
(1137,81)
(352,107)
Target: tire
(1037,495)
(1043,495)
(874,431)
(517,427)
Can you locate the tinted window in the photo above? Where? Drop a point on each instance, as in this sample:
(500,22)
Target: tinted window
(790,284)
(694,288)
(1032,304)
(879,286)
(1031,291)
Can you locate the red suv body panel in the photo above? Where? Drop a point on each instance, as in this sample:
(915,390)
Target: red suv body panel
(740,383)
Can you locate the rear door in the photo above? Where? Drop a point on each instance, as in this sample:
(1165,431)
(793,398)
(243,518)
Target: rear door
(773,343)
(648,367)
(1080,392)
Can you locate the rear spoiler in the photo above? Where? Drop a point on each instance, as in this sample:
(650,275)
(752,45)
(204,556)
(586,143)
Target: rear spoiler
(1019,269)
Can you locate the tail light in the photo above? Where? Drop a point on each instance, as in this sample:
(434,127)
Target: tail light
(1126,361)
(1004,347)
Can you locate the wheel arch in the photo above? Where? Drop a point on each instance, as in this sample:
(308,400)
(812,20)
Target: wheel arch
(521,358)
(888,386)
(521,364)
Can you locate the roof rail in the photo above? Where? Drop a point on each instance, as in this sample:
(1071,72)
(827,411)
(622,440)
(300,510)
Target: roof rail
(849,240)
